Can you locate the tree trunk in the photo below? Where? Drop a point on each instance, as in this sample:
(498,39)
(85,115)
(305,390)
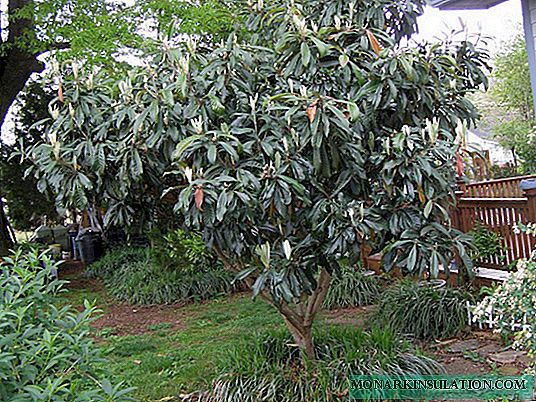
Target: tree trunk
(300,320)
(303,336)
(6,241)
(15,70)
(16,63)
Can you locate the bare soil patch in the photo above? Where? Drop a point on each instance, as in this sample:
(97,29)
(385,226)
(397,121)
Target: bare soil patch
(123,319)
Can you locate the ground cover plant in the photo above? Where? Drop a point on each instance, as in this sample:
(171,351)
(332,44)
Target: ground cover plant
(424,312)
(315,136)
(46,352)
(352,287)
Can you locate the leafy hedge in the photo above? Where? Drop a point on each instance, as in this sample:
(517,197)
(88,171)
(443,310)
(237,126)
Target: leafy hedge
(423,311)
(178,268)
(46,353)
(271,369)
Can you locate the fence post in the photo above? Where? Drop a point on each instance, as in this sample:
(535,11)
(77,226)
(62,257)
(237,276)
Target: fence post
(531,213)
(531,204)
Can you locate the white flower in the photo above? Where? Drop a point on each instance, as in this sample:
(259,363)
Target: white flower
(188,172)
(287,249)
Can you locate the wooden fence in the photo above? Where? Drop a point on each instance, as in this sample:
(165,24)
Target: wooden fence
(498,205)
(500,188)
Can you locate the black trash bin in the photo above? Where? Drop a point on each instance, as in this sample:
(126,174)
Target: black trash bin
(89,245)
(72,231)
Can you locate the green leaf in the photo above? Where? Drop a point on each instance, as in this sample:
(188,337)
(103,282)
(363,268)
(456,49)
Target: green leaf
(185,144)
(305,54)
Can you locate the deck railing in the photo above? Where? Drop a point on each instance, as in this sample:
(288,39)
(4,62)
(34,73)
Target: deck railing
(498,205)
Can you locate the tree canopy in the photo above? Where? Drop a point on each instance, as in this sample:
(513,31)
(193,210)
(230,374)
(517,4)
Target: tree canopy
(94,31)
(308,140)
(513,92)
(511,79)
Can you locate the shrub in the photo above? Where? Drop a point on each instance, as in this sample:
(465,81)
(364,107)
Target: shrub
(179,249)
(352,288)
(423,311)
(271,369)
(513,305)
(46,353)
(487,243)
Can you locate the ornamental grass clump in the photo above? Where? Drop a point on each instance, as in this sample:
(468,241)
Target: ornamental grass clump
(46,352)
(271,369)
(179,268)
(424,311)
(352,287)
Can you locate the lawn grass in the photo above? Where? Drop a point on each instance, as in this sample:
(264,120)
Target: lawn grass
(164,363)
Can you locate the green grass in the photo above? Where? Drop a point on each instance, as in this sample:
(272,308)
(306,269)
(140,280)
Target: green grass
(164,362)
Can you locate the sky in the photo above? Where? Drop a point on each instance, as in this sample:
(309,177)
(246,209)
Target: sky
(500,23)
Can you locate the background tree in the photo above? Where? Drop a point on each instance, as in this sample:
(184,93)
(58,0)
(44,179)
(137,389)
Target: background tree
(512,91)
(511,79)
(94,31)
(315,136)
(27,205)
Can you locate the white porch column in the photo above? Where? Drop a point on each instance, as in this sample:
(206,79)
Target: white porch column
(529,25)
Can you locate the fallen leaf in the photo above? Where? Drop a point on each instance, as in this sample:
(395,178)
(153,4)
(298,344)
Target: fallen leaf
(138,362)
(374,42)
(311,111)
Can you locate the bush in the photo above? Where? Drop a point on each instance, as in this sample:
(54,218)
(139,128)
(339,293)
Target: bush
(423,311)
(352,288)
(271,369)
(162,275)
(487,243)
(46,353)
(178,249)
(513,307)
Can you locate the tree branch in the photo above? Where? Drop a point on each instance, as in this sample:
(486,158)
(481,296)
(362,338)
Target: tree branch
(317,298)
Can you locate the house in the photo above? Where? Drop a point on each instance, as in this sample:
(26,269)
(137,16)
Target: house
(529,25)
(480,142)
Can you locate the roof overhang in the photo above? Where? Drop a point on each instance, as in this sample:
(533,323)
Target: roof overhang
(463,4)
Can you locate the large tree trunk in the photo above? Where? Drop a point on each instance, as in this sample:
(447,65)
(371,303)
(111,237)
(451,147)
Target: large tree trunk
(6,241)
(15,70)
(16,63)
